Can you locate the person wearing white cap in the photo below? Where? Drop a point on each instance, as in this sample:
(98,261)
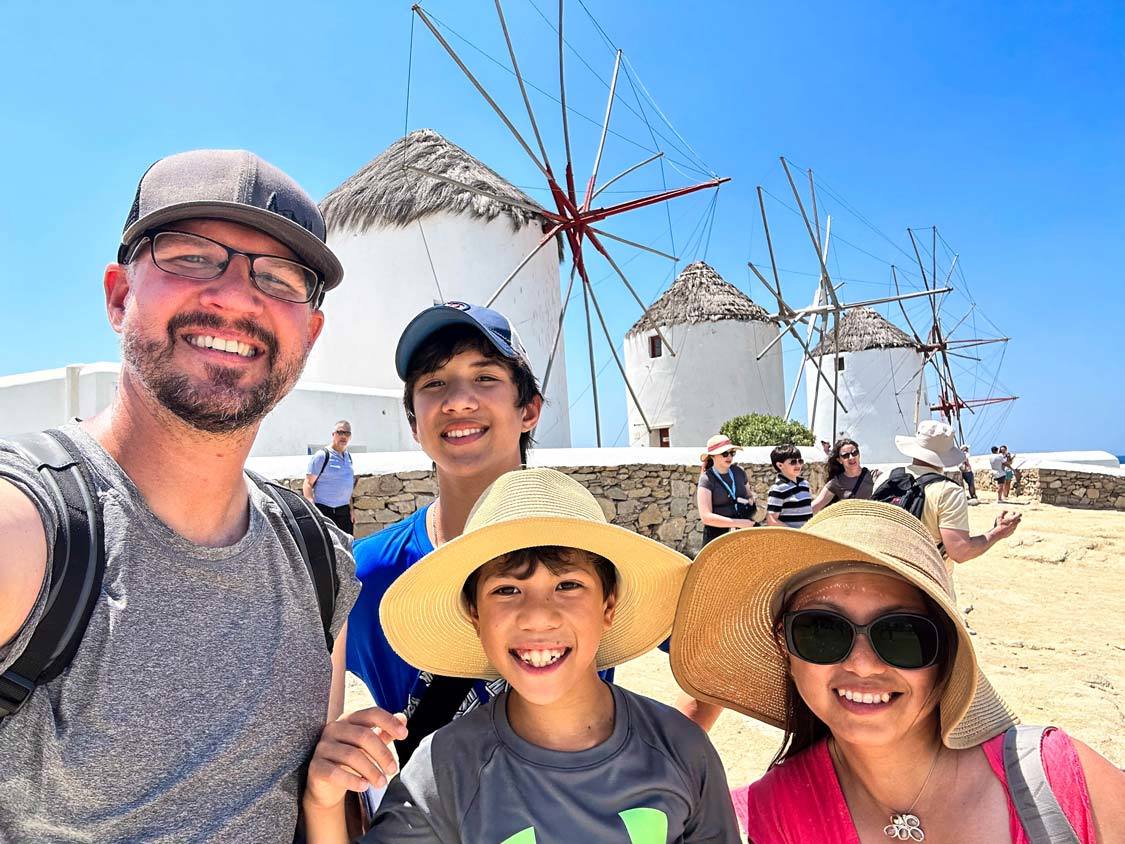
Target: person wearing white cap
(945,510)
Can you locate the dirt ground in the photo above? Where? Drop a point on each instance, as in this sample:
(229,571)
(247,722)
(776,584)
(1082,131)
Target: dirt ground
(1048,608)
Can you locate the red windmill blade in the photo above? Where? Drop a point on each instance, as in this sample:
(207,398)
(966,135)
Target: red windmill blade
(573,218)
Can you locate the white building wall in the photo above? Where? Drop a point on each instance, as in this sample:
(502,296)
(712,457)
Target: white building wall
(33,401)
(880,389)
(713,377)
(388,280)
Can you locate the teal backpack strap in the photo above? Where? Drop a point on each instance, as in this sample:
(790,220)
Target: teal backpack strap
(1039,811)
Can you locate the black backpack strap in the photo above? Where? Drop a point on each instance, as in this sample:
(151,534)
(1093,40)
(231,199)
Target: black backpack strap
(323,466)
(314,542)
(1039,811)
(77,567)
(436,708)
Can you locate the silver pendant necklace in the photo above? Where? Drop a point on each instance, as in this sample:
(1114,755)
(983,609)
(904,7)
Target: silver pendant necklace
(904,826)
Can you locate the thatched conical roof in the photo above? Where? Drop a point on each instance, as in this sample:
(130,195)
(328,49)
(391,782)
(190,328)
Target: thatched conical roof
(862,329)
(699,294)
(382,192)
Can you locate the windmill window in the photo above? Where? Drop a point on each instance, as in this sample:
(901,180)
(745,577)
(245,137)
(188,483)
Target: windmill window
(655,349)
(839,364)
(661,438)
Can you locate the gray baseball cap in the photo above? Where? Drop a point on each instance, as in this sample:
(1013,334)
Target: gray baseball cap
(235,185)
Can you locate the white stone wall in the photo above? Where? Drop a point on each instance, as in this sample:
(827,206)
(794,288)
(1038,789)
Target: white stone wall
(879,388)
(388,280)
(36,400)
(713,377)
(32,401)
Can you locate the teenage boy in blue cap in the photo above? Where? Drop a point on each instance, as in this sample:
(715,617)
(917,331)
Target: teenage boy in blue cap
(472,402)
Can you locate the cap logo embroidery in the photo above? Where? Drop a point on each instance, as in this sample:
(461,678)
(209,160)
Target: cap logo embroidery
(460,306)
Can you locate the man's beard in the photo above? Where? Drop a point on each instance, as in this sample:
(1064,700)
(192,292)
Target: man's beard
(218,405)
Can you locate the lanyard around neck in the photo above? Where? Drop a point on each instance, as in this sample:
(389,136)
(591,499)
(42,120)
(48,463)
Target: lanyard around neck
(731,488)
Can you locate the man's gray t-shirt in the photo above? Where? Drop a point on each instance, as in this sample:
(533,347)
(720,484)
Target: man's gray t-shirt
(655,780)
(199,690)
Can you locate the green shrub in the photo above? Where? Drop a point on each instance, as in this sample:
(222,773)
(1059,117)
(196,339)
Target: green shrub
(758,429)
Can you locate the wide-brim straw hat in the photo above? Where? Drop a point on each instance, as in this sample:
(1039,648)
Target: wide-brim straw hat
(717,445)
(724,649)
(934,443)
(424,614)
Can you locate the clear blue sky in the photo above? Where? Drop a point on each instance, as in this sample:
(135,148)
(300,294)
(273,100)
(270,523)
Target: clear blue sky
(1003,124)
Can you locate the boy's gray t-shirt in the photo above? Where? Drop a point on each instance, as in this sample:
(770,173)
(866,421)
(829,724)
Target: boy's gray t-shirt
(199,690)
(655,780)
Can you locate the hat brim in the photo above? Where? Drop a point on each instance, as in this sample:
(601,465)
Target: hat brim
(431,320)
(729,447)
(307,246)
(912,448)
(426,620)
(724,649)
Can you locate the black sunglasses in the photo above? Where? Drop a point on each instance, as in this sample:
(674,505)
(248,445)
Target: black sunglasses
(728,454)
(848,455)
(343,433)
(900,639)
(796,461)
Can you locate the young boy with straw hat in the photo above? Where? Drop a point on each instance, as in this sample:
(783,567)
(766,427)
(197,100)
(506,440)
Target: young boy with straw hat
(562,755)
(847,636)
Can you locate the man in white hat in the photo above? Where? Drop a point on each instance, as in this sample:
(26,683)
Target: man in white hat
(945,511)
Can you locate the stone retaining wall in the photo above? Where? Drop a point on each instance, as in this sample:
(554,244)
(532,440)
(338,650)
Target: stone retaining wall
(1094,488)
(657,501)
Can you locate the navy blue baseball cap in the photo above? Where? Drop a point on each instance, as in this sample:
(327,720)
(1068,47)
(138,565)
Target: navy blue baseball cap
(495,327)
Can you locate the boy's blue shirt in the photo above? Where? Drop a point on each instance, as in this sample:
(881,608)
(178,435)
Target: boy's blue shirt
(379,559)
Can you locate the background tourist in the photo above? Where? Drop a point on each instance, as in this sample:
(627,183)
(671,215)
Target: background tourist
(724,497)
(999,473)
(790,501)
(847,477)
(847,636)
(330,479)
(945,511)
(968,476)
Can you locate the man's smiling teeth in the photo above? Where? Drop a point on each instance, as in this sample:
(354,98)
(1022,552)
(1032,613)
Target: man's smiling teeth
(864,697)
(541,658)
(205,341)
(463,432)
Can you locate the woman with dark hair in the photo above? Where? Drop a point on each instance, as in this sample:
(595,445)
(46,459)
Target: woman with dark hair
(847,477)
(724,497)
(847,636)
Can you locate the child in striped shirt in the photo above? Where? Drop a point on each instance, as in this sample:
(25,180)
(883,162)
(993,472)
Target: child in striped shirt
(790,499)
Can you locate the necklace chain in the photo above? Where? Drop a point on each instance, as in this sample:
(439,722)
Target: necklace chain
(904,826)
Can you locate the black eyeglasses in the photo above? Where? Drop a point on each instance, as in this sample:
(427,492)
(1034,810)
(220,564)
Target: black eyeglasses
(343,433)
(194,256)
(848,455)
(902,640)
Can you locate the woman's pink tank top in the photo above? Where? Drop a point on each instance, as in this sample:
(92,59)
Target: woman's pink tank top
(800,802)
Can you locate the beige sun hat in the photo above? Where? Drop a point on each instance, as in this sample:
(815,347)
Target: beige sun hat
(934,443)
(424,615)
(723,646)
(717,445)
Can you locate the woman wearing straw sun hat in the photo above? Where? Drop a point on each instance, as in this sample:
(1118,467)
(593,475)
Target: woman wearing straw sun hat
(846,635)
(724,497)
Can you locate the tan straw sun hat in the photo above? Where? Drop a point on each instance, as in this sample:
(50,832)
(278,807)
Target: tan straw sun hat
(425,617)
(723,645)
(717,445)
(934,443)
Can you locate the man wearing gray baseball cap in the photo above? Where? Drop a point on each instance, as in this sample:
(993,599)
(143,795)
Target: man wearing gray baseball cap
(202,679)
